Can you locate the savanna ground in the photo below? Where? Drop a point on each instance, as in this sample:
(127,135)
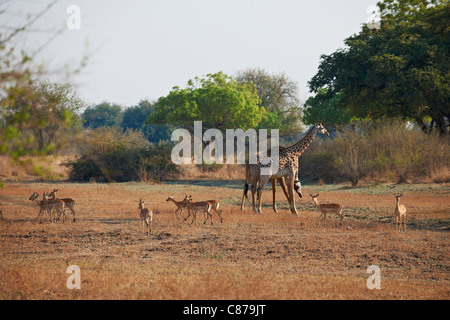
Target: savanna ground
(249,256)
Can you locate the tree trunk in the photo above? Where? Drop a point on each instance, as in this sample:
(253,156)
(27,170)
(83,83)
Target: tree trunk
(441,124)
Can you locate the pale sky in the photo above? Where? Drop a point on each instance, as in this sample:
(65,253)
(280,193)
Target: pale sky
(141,49)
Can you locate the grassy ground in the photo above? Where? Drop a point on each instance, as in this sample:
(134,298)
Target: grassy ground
(249,256)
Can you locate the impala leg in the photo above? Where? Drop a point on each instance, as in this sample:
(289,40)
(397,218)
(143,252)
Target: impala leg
(341,216)
(219,212)
(176,215)
(318,220)
(194,217)
(73,212)
(63,210)
(39,214)
(189,214)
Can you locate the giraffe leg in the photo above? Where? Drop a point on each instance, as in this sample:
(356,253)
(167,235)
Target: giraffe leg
(285,191)
(253,189)
(262,184)
(274,192)
(290,184)
(244,195)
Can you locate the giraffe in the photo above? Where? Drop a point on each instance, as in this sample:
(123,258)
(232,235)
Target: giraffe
(253,170)
(288,166)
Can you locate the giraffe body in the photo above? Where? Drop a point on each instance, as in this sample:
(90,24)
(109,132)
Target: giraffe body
(287,164)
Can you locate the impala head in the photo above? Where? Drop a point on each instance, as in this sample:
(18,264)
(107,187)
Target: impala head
(314,198)
(141,204)
(34,196)
(170,197)
(398,196)
(187,198)
(321,129)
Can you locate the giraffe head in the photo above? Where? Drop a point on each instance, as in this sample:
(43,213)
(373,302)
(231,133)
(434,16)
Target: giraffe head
(320,128)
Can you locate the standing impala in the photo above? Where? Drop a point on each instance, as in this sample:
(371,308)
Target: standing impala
(51,204)
(146,216)
(42,207)
(181,206)
(400,214)
(196,207)
(214,206)
(70,203)
(328,208)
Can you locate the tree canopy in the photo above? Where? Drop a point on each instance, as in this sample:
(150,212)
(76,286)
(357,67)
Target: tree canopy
(135,118)
(104,114)
(323,108)
(38,115)
(400,70)
(279,96)
(217,100)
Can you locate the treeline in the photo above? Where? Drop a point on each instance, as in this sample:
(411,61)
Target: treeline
(384,151)
(108,114)
(399,71)
(110,155)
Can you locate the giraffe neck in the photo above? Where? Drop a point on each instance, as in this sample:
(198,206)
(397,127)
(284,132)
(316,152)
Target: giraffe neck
(301,145)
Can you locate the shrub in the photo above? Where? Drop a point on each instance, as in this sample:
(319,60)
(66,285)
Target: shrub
(351,156)
(108,155)
(382,150)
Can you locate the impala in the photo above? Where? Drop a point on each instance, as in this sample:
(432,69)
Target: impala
(57,205)
(146,216)
(70,203)
(181,206)
(42,206)
(196,207)
(400,214)
(328,208)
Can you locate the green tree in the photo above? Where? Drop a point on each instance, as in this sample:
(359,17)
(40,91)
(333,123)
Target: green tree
(324,108)
(40,114)
(279,96)
(36,116)
(400,70)
(217,100)
(134,118)
(104,114)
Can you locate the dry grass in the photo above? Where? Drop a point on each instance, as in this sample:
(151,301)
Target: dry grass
(250,256)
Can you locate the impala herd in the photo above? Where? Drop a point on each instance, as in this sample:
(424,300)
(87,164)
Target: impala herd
(55,208)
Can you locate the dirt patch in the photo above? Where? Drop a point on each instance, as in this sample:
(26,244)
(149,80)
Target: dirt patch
(249,256)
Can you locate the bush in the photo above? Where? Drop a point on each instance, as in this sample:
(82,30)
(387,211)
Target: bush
(108,155)
(382,151)
(351,156)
